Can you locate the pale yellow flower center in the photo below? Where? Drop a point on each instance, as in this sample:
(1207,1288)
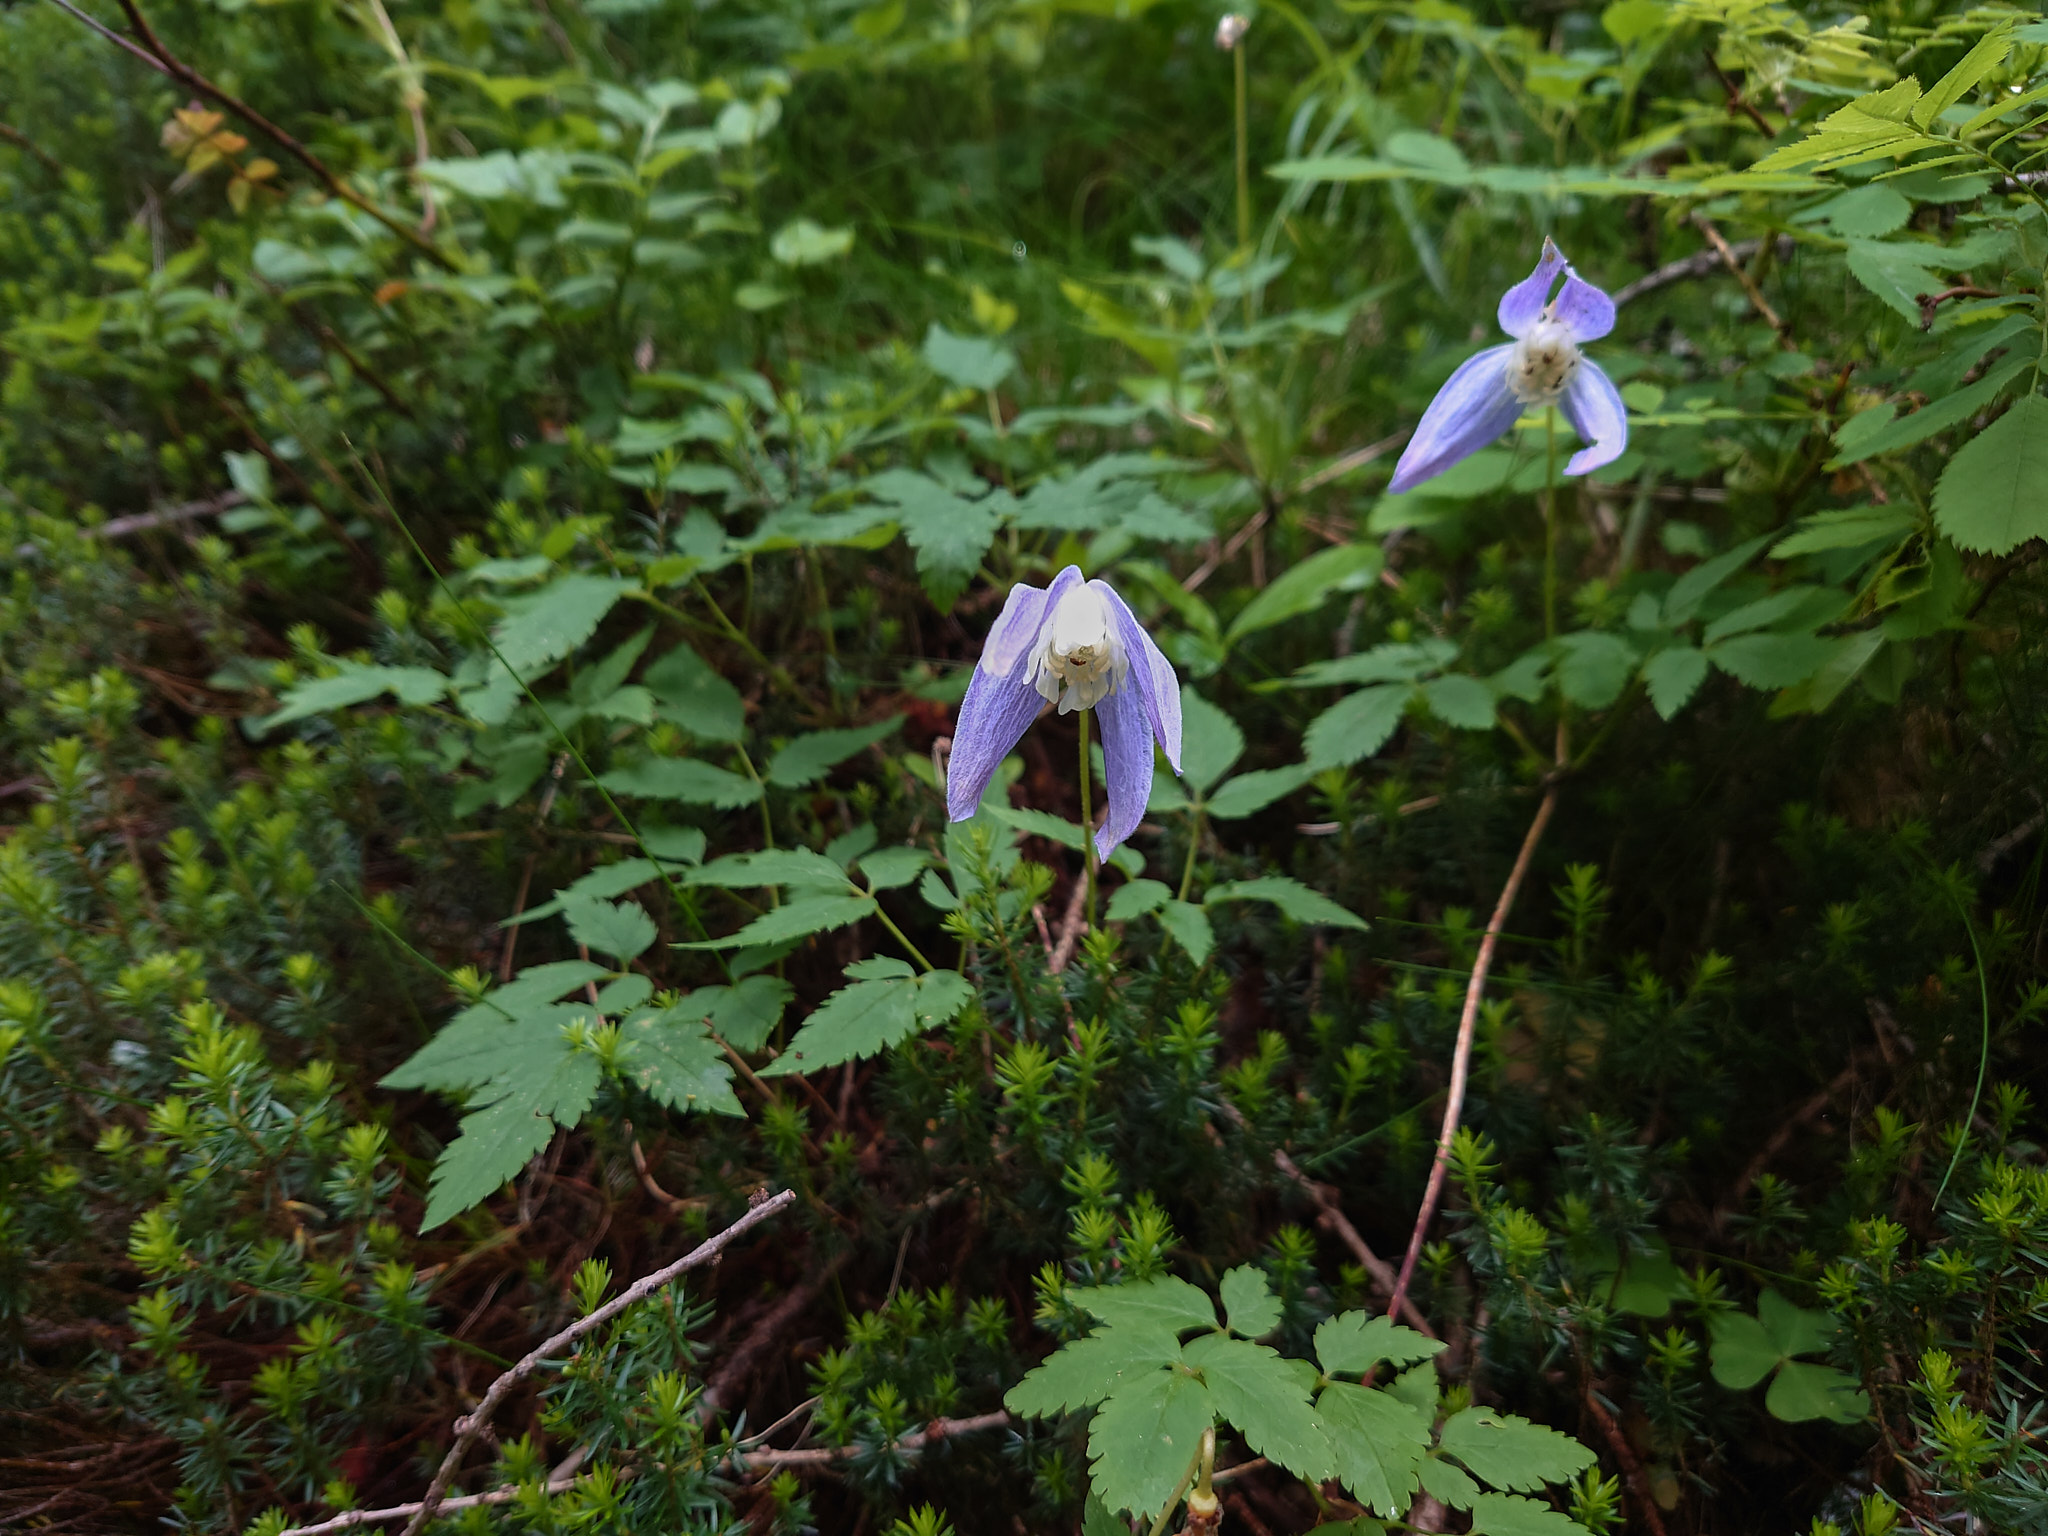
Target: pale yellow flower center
(1541,366)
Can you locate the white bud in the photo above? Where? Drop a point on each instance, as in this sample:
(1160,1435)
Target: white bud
(1231,29)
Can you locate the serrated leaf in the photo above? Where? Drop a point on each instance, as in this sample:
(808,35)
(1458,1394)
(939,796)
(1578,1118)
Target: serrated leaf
(1970,71)
(1936,416)
(1447,1483)
(1352,1343)
(972,362)
(1593,667)
(1510,1452)
(940,997)
(1258,1392)
(1993,496)
(950,533)
(354,684)
(746,1013)
(1252,792)
(1166,1301)
(1306,585)
(799,919)
(888,869)
(795,867)
(1356,727)
(1135,898)
(480,1044)
(1505,1514)
(1144,1437)
(1771,659)
(1378,1441)
(1419,1389)
(1293,898)
(694,696)
(1673,676)
(1691,589)
(1210,741)
(1084,1372)
(855,1021)
(1189,927)
(1096,1520)
(683,779)
(542,627)
(1845,528)
(672,1056)
(604,881)
(1461,700)
(809,758)
(621,929)
(1249,1305)
(496,1140)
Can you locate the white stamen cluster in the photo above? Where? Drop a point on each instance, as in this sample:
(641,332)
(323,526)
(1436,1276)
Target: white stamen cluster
(1080,653)
(1542,364)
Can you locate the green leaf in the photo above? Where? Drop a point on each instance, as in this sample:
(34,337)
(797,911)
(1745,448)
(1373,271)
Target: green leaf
(1802,1392)
(1352,1343)
(1210,741)
(1260,1393)
(1993,496)
(870,1016)
(1793,1330)
(354,684)
(889,868)
(972,362)
(672,1056)
(950,533)
(1937,416)
(1510,1452)
(1460,700)
(746,1013)
(1446,1482)
(1144,1437)
(1867,212)
(1771,659)
(497,1140)
(1418,1389)
(1057,829)
(1970,72)
(1249,1303)
(481,1044)
(1593,667)
(1189,927)
(1356,727)
(799,867)
(1135,898)
(694,696)
(542,627)
(1095,1519)
(1743,1353)
(605,881)
(1845,528)
(683,779)
(1293,898)
(1252,792)
(1673,676)
(1304,587)
(1164,1302)
(620,929)
(1897,271)
(1086,1371)
(808,915)
(809,758)
(1691,589)
(1504,1514)
(806,243)
(1379,1443)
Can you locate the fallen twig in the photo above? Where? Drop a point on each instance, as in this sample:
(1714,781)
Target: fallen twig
(917,1440)
(1461,1055)
(1698,264)
(469,1426)
(1333,1218)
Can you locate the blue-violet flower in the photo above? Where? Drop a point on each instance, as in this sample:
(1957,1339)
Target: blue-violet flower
(1078,645)
(1541,366)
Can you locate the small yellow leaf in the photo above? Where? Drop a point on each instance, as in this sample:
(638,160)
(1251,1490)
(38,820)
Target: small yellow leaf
(260,169)
(238,193)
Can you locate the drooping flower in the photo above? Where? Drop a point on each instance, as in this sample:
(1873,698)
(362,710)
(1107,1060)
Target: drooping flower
(1541,366)
(1075,644)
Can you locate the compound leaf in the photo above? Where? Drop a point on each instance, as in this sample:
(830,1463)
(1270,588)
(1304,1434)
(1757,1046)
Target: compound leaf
(1144,1436)
(1249,1302)
(1260,1393)
(1510,1452)
(1165,1302)
(1086,1371)
(1379,1443)
(1352,1343)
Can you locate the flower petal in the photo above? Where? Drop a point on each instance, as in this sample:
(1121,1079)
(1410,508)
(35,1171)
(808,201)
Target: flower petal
(1593,406)
(1126,763)
(1586,311)
(993,718)
(1472,409)
(1151,675)
(1016,627)
(1522,304)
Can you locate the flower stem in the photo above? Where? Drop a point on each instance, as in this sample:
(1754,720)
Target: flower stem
(1244,178)
(1087,821)
(1187,874)
(1550,522)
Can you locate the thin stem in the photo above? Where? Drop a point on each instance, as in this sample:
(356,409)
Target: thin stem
(1087,819)
(1244,178)
(1187,874)
(902,938)
(1550,522)
(1461,1055)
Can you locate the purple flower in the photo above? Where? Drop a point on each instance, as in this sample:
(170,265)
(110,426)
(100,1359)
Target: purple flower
(1541,366)
(1078,645)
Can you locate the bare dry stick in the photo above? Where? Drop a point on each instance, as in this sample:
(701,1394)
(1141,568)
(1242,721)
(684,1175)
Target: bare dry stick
(468,1427)
(1333,1217)
(559,1481)
(1461,1055)
(917,1440)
